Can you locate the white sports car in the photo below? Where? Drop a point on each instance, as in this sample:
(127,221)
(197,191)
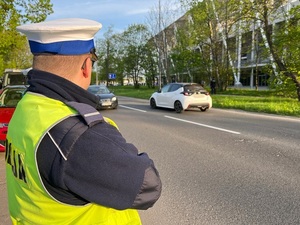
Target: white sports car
(181,96)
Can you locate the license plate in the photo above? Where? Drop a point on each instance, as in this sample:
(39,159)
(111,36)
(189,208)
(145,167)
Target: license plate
(106,103)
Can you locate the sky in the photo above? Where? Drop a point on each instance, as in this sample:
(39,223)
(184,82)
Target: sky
(118,14)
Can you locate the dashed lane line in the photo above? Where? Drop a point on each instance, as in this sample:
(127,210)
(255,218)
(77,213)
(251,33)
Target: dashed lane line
(203,125)
(187,121)
(126,107)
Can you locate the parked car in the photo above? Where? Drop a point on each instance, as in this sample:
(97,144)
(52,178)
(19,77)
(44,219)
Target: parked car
(107,99)
(9,99)
(181,96)
(14,77)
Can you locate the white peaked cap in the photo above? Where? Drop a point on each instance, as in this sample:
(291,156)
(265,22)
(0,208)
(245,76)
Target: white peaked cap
(72,36)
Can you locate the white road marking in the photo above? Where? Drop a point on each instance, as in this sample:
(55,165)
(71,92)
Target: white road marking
(260,114)
(186,121)
(203,125)
(132,108)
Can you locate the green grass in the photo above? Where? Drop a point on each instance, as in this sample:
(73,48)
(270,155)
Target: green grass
(254,93)
(129,91)
(264,101)
(273,105)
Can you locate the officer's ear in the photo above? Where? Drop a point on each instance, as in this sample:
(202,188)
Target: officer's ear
(86,67)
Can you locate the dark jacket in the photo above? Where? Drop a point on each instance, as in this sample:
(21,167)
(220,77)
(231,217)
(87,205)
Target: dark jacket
(102,167)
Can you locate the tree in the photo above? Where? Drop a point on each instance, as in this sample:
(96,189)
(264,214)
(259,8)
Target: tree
(159,18)
(109,52)
(149,65)
(186,57)
(135,39)
(282,46)
(269,18)
(14,50)
(212,22)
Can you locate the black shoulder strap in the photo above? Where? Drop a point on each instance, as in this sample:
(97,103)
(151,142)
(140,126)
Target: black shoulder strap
(89,117)
(65,134)
(89,113)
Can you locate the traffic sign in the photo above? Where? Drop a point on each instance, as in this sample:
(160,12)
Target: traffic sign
(112,76)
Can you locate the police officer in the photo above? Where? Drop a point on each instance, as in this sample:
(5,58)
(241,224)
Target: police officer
(65,163)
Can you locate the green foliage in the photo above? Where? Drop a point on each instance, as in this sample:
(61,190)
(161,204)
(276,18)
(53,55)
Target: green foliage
(204,34)
(191,54)
(284,86)
(287,43)
(135,38)
(124,54)
(35,11)
(110,55)
(279,42)
(14,50)
(149,64)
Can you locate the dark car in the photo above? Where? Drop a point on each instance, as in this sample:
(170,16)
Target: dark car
(107,99)
(9,99)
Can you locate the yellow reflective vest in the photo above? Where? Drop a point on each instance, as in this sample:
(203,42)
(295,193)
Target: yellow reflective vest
(29,202)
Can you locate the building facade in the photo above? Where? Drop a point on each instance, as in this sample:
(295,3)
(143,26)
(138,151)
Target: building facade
(242,52)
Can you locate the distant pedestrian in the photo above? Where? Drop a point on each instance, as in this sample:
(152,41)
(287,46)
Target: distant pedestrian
(213,86)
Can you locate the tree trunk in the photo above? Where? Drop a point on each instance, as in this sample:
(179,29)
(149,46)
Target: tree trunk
(280,64)
(296,82)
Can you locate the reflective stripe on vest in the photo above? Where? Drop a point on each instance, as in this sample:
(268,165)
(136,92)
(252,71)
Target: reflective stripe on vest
(29,202)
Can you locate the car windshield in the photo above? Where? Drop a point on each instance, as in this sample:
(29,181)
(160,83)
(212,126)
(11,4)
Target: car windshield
(11,97)
(98,90)
(193,88)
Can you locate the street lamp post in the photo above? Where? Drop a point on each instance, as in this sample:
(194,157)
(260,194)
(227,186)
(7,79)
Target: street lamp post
(159,47)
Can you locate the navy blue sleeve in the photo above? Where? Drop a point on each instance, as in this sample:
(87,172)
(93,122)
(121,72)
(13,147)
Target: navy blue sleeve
(101,167)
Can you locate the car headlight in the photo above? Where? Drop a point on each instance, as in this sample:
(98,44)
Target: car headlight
(114,99)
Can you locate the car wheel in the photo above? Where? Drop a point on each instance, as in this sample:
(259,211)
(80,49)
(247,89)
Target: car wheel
(114,105)
(178,107)
(152,103)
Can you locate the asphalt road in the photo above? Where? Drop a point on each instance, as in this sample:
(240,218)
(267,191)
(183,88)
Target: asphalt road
(220,167)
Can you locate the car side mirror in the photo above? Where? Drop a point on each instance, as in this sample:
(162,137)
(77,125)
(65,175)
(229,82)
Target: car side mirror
(159,91)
